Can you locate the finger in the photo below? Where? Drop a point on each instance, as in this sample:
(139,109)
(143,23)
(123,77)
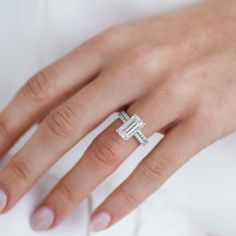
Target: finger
(178,146)
(45,90)
(104,155)
(63,128)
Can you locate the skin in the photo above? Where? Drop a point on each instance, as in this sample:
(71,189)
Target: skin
(176,71)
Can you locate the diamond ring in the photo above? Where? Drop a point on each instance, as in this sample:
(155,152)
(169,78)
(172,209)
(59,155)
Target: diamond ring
(131,127)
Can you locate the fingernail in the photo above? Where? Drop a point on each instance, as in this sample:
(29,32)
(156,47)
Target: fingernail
(100,222)
(3,199)
(42,219)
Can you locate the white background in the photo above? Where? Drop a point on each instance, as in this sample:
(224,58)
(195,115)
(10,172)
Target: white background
(199,200)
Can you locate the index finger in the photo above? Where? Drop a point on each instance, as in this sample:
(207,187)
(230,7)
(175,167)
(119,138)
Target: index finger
(45,90)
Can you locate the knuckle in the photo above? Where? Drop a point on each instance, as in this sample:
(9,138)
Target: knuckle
(66,193)
(113,33)
(154,172)
(20,169)
(37,88)
(169,93)
(114,39)
(176,87)
(128,197)
(106,150)
(63,122)
(182,77)
(140,61)
(141,58)
(181,74)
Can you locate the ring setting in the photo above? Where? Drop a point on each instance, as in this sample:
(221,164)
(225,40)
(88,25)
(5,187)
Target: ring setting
(131,127)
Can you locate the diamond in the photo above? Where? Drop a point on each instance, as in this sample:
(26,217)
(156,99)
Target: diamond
(130,127)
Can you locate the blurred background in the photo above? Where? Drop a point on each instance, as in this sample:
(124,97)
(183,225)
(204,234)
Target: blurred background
(199,200)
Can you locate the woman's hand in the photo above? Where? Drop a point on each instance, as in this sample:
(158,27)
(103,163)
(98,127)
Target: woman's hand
(176,71)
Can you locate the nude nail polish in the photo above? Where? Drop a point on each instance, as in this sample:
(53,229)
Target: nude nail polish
(42,219)
(3,200)
(100,222)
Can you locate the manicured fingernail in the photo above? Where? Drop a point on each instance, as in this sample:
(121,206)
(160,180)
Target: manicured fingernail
(100,222)
(3,199)
(42,219)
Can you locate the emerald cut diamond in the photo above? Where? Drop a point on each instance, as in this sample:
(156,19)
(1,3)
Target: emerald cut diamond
(131,127)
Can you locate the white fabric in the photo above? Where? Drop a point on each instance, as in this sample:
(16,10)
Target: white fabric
(198,200)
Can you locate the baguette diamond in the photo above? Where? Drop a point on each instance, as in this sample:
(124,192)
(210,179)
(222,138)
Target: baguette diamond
(131,127)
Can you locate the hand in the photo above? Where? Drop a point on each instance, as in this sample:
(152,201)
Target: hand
(176,71)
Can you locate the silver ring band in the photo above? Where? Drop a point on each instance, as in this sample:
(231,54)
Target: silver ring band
(131,127)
